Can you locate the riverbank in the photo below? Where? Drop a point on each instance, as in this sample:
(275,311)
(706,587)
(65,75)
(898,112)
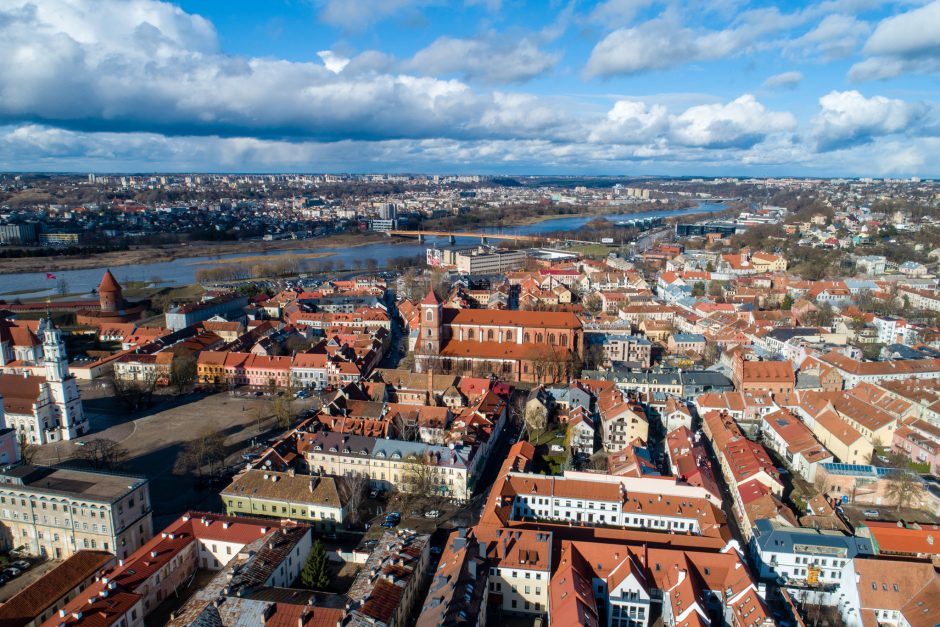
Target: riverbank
(172,252)
(598,211)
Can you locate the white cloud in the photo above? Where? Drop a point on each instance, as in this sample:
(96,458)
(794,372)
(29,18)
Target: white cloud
(664,42)
(836,36)
(740,123)
(905,43)
(848,118)
(613,13)
(358,15)
(332,61)
(632,122)
(491,58)
(159,71)
(784,79)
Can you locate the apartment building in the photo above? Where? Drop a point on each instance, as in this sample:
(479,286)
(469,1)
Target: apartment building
(804,557)
(383,593)
(309,499)
(586,501)
(393,464)
(40,600)
(246,552)
(793,441)
(55,512)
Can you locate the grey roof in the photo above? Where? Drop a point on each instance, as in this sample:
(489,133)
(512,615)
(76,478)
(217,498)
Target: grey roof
(77,484)
(788,333)
(772,537)
(688,337)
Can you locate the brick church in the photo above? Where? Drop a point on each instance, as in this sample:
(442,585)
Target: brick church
(535,346)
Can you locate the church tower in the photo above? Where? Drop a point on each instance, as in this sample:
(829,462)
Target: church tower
(63,388)
(432,312)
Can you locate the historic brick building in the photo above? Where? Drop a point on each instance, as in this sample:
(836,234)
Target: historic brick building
(522,345)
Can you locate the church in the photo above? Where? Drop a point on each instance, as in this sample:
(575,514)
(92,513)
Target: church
(44,408)
(534,346)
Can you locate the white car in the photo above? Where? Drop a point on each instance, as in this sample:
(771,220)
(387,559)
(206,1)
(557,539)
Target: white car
(432,514)
(556,448)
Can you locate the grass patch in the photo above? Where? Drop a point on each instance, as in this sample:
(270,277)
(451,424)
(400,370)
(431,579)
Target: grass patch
(591,250)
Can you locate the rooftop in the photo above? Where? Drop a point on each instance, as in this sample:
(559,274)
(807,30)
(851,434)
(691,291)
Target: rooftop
(95,486)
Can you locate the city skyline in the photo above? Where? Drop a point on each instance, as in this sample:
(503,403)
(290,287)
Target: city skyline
(636,87)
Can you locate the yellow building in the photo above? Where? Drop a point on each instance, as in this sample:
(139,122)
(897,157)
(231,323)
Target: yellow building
(310,499)
(56,512)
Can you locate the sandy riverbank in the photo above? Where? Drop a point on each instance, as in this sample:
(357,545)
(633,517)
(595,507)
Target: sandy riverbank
(156,254)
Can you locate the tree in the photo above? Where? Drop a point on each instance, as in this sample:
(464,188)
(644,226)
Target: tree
(315,574)
(698,288)
(422,477)
(103,454)
(786,303)
(352,493)
(206,450)
(183,371)
(716,289)
(594,357)
(822,316)
(282,403)
(536,417)
(406,429)
(28,450)
(904,487)
(593,304)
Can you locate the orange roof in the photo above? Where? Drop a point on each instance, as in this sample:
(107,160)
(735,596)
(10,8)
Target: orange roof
(108,283)
(919,540)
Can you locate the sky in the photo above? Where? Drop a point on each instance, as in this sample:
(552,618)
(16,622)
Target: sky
(615,87)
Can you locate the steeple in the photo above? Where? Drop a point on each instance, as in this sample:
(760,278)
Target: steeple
(53,350)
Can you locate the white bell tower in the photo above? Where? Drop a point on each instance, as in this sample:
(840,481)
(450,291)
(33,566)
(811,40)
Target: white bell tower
(67,404)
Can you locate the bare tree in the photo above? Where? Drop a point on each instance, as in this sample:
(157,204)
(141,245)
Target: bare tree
(103,454)
(138,393)
(904,487)
(207,450)
(183,371)
(536,417)
(423,478)
(407,430)
(352,493)
(593,304)
(282,403)
(28,450)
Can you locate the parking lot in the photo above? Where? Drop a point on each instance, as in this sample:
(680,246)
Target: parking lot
(36,570)
(155,436)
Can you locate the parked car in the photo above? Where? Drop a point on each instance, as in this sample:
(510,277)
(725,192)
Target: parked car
(373,494)
(871,513)
(435,550)
(434,513)
(3,579)
(21,564)
(12,572)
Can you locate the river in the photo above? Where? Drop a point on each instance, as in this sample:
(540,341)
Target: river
(183,271)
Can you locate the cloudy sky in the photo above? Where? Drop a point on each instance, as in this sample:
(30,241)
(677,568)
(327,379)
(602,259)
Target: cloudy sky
(834,88)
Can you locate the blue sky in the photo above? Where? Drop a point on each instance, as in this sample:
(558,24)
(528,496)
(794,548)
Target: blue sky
(728,87)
